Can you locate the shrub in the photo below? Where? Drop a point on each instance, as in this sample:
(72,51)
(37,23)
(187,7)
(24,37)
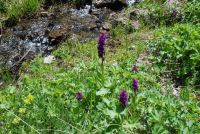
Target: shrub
(2,7)
(16,8)
(159,14)
(191,11)
(178,48)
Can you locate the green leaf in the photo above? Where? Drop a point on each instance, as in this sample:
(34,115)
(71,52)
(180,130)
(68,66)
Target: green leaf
(102,91)
(111,113)
(108,84)
(4,106)
(106,101)
(11,89)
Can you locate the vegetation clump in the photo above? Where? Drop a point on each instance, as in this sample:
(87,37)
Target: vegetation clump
(178,49)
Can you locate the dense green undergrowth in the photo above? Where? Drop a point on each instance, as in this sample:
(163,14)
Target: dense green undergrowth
(178,49)
(17,8)
(161,13)
(44,98)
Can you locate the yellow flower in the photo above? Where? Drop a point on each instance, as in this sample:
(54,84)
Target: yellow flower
(16,120)
(22,110)
(28,99)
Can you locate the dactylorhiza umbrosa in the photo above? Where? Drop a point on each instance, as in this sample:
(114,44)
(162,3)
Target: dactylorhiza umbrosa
(101,45)
(79,96)
(123,98)
(135,85)
(134,68)
(174,13)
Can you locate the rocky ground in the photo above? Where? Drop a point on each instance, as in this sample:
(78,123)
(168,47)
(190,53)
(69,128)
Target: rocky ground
(44,32)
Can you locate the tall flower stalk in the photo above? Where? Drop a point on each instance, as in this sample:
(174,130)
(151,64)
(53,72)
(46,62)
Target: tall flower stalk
(123,98)
(135,85)
(79,96)
(174,13)
(101,46)
(134,69)
(101,50)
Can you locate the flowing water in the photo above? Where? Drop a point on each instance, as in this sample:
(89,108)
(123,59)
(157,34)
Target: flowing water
(44,32)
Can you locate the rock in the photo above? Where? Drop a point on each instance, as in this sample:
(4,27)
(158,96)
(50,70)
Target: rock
(92,26)
(138,13)
(82,12)
(85,24)
(124,22)
(106,26)
(96,12)
(58,35)
(49,59)
(1,83)
(46,14)
(130,20)
(131,2)
(136,24)
(175,92)
(100,3)
(112,4)
(9,64)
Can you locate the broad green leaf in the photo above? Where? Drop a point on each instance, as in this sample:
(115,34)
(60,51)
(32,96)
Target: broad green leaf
(111,113)
(102,91)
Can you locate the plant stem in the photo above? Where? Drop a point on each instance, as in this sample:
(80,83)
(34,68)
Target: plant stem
(102,75)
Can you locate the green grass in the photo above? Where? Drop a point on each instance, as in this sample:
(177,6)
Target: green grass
(19,8)
(15,9)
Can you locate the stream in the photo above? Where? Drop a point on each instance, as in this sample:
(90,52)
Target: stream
(42,33)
